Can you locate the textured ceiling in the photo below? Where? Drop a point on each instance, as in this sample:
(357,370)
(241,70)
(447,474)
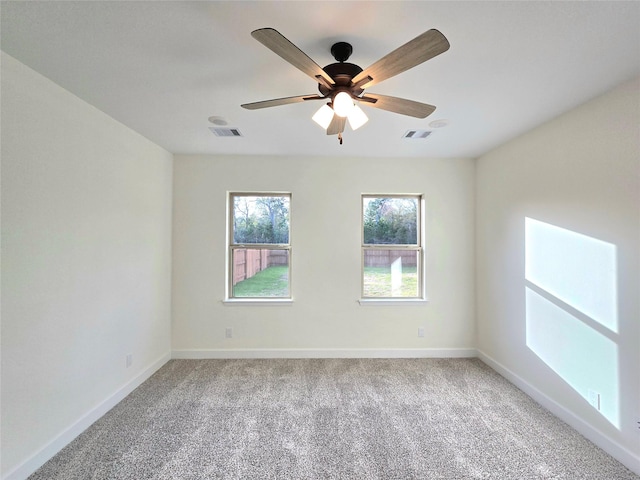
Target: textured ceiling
(163,68)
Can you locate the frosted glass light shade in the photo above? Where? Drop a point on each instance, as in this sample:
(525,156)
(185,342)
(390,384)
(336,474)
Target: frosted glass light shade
(343,104)
(323,116)
(357,117)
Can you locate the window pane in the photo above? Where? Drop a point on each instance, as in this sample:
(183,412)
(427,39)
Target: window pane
(260,272)
(391,273)
(390,220)
(261,219)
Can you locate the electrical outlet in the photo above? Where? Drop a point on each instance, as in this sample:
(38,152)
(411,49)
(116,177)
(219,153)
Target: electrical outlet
(421,332)
(594,399)
(129,360)
(228,333)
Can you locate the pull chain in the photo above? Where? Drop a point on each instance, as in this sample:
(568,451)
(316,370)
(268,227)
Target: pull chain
(340,138)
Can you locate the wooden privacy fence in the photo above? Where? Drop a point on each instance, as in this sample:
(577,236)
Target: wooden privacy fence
(249,261)
(384,258)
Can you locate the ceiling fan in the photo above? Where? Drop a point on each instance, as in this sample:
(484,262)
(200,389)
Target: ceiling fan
(343,84)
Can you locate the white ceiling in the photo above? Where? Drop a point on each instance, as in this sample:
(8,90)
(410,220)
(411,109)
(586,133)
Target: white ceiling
(163,68)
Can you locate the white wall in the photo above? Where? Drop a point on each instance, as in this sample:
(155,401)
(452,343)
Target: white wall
(580,176)
(325,318)
(86,264)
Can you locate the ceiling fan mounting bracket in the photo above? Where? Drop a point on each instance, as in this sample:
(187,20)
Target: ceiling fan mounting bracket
(341,51)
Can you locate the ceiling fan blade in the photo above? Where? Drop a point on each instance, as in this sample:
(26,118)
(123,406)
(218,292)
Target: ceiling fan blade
(412,53)
(337,125)
(398,105)
(275,41)
(280,101)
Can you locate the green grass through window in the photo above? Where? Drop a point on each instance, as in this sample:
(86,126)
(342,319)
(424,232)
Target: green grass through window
(270,282)
(377,282)
(274,282)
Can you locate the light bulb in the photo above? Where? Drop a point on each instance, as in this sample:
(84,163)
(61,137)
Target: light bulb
(357,117)
(323,116)
(343,104)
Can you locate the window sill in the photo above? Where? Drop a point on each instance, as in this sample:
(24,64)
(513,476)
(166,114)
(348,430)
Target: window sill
(369,302)
(258,302)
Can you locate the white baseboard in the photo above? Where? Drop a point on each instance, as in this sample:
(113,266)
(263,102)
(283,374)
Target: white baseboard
(326,353)
(613,448)
(63,439)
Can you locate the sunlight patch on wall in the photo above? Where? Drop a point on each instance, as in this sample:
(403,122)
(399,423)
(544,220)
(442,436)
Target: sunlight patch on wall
(577,269)
(571,311)
(583,357)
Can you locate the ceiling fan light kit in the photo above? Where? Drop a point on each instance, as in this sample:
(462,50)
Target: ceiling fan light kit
(342,104)
(343,83)
(357,118)
(323,116)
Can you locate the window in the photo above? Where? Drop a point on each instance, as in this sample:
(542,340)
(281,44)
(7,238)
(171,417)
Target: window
(392,247)
(259,246)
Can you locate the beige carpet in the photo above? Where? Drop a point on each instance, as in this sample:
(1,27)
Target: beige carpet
(330,419)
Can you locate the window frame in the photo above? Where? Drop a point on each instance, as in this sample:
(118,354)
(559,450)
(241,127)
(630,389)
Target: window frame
(418,247)
(232,246)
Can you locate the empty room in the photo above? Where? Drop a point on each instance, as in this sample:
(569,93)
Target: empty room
(320,240)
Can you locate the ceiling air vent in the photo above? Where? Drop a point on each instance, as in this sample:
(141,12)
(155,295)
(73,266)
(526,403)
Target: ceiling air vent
(225,132)
(416,134)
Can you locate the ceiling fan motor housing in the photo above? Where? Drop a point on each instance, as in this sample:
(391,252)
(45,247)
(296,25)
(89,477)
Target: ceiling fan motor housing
(341,73)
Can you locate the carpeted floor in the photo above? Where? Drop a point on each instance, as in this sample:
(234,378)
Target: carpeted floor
(402,419)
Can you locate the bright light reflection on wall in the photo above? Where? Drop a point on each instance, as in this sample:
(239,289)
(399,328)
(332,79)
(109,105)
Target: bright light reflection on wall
(583,357)
(571,291)
(579,270)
